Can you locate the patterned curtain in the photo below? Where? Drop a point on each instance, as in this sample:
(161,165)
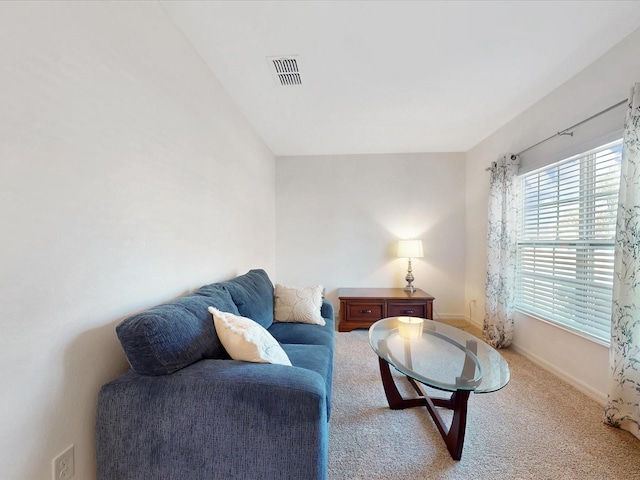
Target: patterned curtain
(501,252)
(623,403)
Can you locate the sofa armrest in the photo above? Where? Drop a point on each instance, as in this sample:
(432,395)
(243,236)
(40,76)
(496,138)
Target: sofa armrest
(326,310)
(216,419)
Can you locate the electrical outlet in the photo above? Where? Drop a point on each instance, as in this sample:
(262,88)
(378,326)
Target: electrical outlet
(63,465)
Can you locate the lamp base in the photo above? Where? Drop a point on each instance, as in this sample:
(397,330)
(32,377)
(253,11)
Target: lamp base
(409,278)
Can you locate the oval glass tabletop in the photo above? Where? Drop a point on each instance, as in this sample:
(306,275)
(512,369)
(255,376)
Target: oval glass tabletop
(439,356)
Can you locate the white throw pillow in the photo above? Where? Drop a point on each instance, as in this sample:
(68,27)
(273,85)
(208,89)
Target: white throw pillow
(246,340)
(298,304)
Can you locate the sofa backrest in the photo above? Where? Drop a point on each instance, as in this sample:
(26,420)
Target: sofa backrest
(172,336)
(252,293)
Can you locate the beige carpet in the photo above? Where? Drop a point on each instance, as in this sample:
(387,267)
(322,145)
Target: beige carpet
(537,427)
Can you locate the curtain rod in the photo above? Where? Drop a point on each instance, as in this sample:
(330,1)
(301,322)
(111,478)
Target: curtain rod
(566,130)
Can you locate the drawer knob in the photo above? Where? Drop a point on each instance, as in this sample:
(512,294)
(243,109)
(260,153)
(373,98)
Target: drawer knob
(365,311)
(407,312)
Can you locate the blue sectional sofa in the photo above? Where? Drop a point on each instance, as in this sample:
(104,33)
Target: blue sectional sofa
(185,410)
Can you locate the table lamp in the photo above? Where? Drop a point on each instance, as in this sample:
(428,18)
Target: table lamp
(410,249)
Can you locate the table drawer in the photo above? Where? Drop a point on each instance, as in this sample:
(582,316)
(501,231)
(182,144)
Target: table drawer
(407,310)
(365,311)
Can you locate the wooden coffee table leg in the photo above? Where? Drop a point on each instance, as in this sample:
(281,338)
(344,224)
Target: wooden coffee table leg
(454,438)
(453,435)
(396,402)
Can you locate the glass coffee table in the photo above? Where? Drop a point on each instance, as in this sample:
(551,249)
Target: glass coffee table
(438,356)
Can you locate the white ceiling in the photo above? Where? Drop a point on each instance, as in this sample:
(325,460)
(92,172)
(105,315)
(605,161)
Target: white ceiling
(396,76)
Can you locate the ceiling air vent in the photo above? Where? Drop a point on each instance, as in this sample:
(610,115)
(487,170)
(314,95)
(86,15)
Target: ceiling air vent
(286,70)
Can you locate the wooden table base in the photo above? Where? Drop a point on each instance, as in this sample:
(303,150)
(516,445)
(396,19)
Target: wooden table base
(453,435)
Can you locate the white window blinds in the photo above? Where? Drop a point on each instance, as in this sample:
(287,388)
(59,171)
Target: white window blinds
(566,240)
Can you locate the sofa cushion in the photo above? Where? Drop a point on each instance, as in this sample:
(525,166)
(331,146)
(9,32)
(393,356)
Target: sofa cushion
(169,337)
(253,295)
(246,340)
(301,305)
(317,358)
(303,333)
(219,297)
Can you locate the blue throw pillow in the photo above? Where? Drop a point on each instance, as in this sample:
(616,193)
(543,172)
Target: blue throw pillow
(253,295)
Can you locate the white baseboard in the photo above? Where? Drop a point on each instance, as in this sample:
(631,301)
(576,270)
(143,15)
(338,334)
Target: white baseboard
(475,323)
(589,391)
(448,316)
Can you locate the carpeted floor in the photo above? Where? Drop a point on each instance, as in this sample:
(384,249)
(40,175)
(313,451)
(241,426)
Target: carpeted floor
(537,427)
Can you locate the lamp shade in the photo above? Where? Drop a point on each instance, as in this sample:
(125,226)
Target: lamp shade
(410,249)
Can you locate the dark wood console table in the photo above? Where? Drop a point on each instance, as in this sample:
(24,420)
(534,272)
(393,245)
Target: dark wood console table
(362,307)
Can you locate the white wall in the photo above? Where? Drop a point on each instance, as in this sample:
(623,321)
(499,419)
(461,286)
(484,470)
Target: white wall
(339,218)
(127,177)
(602,84)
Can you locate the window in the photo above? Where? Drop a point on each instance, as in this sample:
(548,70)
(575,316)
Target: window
(566,235)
